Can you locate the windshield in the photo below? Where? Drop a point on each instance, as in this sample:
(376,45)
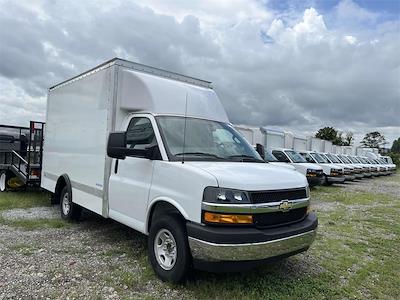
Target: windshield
(205,140)
(345,159)
(353,159)
(319,158)
(364,161)
(333,158)
(269,156)
(295,157)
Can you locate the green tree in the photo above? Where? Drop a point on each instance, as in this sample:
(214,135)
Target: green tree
(348,139)
(374,140)
(330,134)
(396,146)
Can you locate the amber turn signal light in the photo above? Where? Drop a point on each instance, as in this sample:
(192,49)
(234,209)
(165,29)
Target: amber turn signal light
(217,218)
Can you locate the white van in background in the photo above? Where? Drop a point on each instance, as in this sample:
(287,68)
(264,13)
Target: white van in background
(332,173)
(154,150)
(313,173)
(358,170)
(348,170)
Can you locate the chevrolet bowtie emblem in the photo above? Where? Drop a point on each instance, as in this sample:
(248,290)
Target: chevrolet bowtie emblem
(285,205)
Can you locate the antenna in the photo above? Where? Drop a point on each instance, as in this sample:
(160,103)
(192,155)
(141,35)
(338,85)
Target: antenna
(184,130)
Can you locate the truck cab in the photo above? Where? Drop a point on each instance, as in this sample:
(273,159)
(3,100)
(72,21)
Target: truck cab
(332,173)
(313,173)
(270,158)
(358,169)
(348,170)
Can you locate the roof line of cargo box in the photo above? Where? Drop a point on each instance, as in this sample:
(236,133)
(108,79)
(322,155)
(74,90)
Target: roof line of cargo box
(141,68)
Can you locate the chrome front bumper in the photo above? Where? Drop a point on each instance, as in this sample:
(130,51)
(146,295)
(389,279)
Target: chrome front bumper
(336,179)
(349,177)
(250,251)
(359,175)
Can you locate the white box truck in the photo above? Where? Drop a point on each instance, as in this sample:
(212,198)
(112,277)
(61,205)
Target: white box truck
(299,143)
(155,151)
(315,144)
(289,140)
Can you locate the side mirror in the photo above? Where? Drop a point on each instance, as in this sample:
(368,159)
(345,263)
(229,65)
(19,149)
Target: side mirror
(153,152)
(116,146)
(260,150)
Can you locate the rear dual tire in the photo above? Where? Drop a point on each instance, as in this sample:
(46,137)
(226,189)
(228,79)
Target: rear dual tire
(69,211)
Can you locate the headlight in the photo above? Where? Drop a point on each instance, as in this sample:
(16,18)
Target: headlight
(221,195)
(312,172)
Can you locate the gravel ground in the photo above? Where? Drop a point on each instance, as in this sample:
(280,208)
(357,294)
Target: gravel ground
(32,213)
(381,185)
(99,258)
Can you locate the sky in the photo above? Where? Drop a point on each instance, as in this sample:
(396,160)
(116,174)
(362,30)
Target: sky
(294,65)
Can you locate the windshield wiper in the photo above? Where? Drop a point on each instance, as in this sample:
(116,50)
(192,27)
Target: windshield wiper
(200,154)
(244,156)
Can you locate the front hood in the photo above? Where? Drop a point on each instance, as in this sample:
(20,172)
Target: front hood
(334,166)
(251,176)
(309,166)
(282,165)
(346,166)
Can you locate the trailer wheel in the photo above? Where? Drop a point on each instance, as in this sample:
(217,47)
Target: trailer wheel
(168,249)
(3,181)
(69,210)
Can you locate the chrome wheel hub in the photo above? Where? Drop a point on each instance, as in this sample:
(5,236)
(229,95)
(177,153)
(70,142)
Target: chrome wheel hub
(165,249)
(66,206)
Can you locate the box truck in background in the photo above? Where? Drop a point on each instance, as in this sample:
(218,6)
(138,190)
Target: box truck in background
(155,151)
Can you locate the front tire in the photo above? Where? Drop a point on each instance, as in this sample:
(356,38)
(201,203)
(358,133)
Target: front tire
(168,249)
(69,210)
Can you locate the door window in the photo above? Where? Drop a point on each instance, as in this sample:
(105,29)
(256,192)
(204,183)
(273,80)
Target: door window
(280,156)
(140,134)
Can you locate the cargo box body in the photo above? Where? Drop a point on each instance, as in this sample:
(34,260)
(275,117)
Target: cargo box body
(82,111)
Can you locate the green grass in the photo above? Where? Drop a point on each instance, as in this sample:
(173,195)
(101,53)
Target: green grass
(10,200)
(355,256)
(14,200)
(32,224)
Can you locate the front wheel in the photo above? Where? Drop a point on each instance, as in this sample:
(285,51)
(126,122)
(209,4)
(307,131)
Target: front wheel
(69,210)
(168,249)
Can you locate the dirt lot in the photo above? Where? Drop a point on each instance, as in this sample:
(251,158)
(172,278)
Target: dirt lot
(356,253)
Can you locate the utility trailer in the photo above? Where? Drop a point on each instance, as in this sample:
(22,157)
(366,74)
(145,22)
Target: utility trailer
(21,151)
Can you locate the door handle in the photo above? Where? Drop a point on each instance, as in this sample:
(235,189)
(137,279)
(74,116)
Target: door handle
(116,166)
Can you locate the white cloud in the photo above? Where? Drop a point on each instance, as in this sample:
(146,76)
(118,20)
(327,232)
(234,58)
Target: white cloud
(299,75)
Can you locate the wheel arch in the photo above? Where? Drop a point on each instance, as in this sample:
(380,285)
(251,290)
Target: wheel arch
(166,205)
(62,181)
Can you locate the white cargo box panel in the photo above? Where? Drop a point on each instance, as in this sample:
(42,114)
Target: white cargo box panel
(289,140)
(273,138)
(334,149)
(246,132)
(362,151)
(328,146)
(299,143)
(348,150)
(82,111)
(315,144)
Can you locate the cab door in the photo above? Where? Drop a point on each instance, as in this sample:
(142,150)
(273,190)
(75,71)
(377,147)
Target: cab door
(131,178)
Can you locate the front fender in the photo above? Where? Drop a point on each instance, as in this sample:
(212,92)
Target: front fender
(163,199)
